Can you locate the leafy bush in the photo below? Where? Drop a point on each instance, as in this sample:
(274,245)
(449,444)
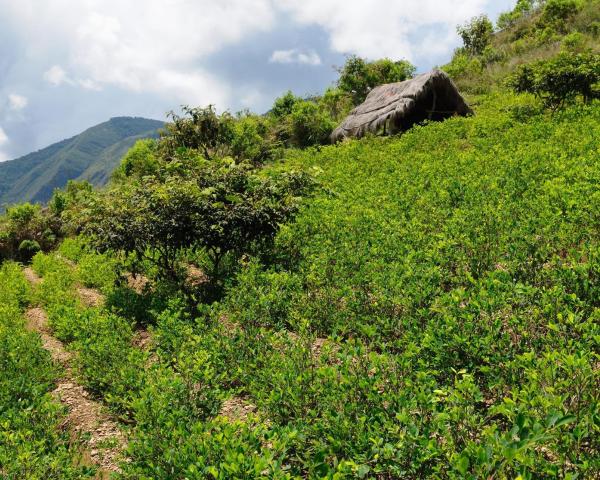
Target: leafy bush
(139,161)
(283,105)
(32,442)
(476,35)
(252,139)
(24,230)
(556,12)
(309,125)
(27,249)
(560,80)
(198,129)
(225,208)
(358,76)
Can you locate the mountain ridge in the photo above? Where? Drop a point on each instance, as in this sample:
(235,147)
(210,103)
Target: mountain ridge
(91,155)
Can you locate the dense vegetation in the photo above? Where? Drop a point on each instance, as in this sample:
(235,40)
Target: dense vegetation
(91,156)
(418,306)
(32,444)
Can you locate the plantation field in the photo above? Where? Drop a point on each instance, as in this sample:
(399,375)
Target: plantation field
(432,312)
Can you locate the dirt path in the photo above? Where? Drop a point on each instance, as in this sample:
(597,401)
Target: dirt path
(90,297)
(85,417)
(31,276)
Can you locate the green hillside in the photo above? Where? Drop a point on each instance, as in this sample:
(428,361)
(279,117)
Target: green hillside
(249,302)
(92,155)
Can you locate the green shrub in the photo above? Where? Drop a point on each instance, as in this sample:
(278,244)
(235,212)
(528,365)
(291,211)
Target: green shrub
(555,13)
(252,139)
(359,76)
(199,129)
(283,105)
(309,125)
(33,443)
(27,249)
(223,209)
(267,300)
(561,80)
(139,161)
(476,35)
(24,230)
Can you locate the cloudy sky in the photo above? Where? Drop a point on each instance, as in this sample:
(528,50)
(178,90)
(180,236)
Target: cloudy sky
(66,65)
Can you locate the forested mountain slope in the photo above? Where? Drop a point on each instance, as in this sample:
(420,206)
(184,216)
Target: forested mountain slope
(92,155)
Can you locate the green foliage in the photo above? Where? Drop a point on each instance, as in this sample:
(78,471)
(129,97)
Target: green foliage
(535,30)
(336,103)
(431,312)
(556,12)
(488,257)
(224,208)
(90,156)
(139,161)
(283,105)
(476,35)
(32,443)
(26,229)
(560,80)
(359,76)
(522,9)
(266,300)
(309,125)
(252,139)
(199,129)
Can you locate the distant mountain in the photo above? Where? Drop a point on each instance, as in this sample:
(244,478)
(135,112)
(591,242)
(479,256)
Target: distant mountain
(91,155)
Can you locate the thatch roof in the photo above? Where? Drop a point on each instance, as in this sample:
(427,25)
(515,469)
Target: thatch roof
(397,106)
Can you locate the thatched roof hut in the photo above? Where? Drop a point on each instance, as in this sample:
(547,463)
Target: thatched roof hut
(397,106)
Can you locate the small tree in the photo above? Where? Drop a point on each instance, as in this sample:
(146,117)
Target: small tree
(283,105)
(477,34)
(358,76)
(560,80)
(224,208)
(310,125)
(557,12)
(199,129)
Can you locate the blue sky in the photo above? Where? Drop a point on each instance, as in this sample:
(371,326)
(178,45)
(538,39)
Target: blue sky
(66,66)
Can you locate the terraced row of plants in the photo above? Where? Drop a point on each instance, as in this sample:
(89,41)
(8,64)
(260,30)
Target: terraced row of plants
(431,313)
(455,273)
(457,267)
(164,399)
(33,443)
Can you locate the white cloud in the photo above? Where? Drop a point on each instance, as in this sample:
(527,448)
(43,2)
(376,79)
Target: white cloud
(3,141)
(17,102)
(295,56)
(56,76)
(3,137)
(384,27)
(157,47)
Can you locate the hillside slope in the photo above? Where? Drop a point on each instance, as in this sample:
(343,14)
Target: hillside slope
(91,155)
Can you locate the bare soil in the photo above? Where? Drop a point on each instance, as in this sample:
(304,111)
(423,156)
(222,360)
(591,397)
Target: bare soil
(31,276)
(85,417)
(237,409)
(90,297)
(138,283)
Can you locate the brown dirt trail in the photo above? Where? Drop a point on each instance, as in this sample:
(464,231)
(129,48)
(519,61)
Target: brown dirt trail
(86,417)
